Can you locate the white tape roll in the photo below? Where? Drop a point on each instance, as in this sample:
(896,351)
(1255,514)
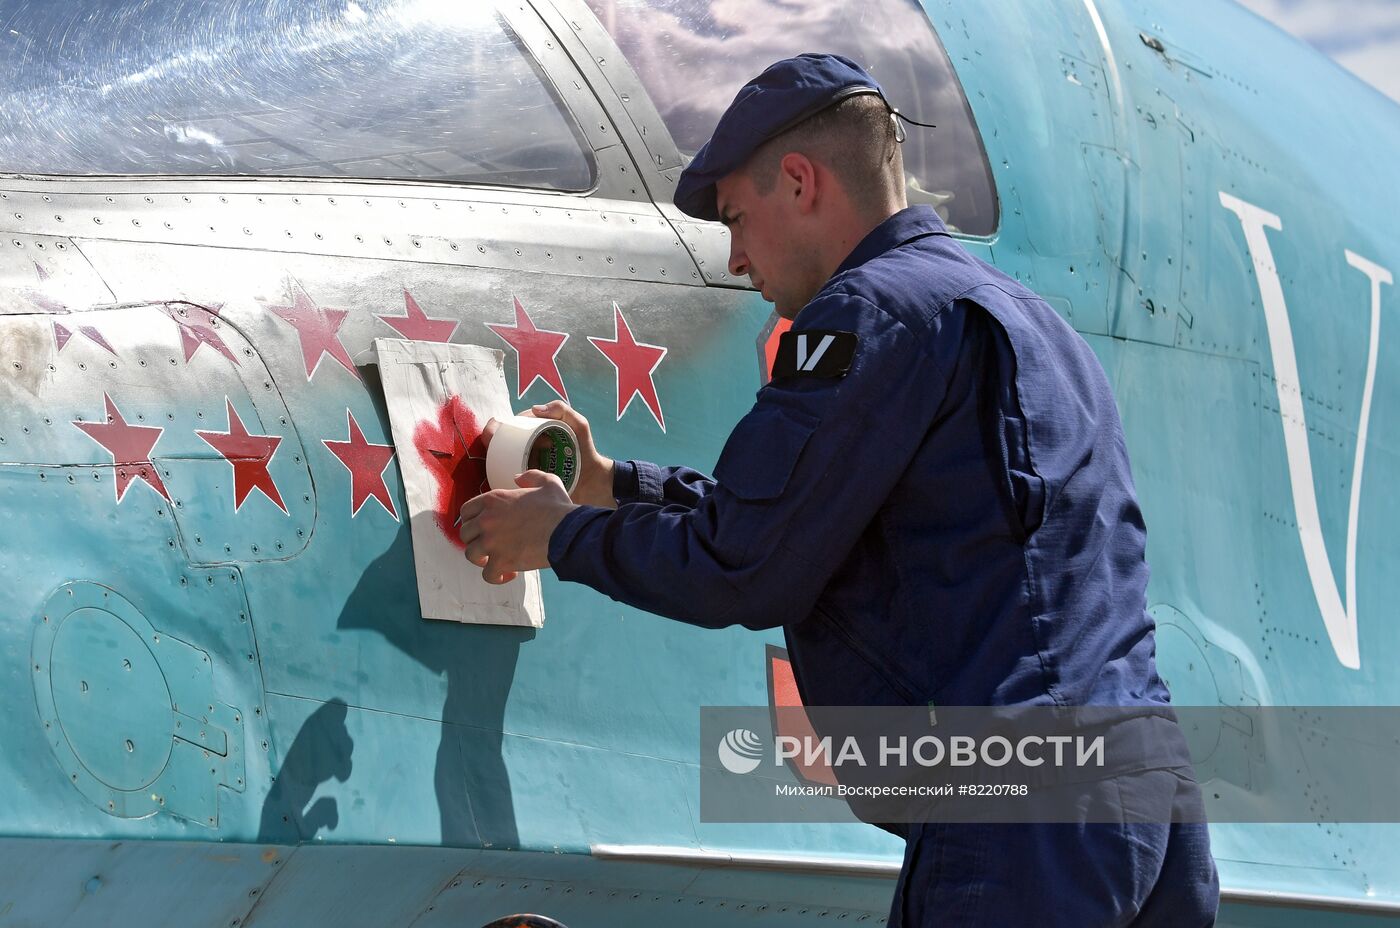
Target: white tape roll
(524,443)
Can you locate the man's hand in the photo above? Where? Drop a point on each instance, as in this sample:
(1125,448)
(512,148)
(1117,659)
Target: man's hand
(595,482)
(507,531)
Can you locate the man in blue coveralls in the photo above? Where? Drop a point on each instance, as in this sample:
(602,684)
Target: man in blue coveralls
(954,444)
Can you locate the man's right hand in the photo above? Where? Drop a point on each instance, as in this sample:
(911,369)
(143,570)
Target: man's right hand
(595,482)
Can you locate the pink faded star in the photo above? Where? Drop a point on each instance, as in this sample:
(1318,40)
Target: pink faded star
(317,327)
(197,328)
(418,325)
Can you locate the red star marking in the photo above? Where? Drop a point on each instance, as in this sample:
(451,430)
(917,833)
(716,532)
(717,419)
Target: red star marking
(316,327)
(197,328)
(366,462)
(635,362)
(451,448)
(249,455)
(417,325)
(47,303)
(130,447)
(61,333)
(535,352)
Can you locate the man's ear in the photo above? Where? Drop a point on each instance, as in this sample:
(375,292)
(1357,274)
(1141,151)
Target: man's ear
(798,176)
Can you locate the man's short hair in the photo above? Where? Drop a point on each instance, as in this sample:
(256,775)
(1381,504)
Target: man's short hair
(855,140)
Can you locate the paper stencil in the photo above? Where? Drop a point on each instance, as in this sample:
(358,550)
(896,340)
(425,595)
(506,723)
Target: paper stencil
(440,396)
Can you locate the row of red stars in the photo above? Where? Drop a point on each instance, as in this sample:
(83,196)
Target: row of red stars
(318,327)
(250,456)
(536,349)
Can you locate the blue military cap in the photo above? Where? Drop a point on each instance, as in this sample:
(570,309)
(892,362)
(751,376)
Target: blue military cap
(782,96)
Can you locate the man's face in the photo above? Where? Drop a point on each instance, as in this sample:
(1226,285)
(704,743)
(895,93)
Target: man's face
(763,242)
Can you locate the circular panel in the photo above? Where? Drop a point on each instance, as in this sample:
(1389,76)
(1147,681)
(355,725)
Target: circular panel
(111,699)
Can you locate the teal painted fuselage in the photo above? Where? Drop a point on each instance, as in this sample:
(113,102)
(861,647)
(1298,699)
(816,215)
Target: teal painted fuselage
(225,705)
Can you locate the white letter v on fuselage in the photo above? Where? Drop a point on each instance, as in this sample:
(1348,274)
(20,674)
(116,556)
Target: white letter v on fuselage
(1339,618)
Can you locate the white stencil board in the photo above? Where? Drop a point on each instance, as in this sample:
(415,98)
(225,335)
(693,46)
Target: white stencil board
(442,391)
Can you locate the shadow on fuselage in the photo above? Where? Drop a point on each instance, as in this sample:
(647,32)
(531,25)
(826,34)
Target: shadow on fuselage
(470,782)
(321,751)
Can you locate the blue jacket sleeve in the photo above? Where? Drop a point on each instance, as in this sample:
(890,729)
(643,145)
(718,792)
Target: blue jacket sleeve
(800,478)
(640,481)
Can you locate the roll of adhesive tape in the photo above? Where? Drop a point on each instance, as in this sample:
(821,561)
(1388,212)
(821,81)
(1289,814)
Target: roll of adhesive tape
(524,443)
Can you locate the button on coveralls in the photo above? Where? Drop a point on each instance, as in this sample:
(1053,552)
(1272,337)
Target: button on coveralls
(951,522)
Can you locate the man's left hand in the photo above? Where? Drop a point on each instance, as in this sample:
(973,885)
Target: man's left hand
(507,531)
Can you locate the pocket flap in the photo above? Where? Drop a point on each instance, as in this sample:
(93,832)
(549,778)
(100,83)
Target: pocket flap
(762,451)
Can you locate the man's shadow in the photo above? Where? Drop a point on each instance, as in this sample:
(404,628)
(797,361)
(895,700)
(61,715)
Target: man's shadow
(469,780)
(320,751)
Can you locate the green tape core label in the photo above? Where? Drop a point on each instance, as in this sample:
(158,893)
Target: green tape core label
(554,453)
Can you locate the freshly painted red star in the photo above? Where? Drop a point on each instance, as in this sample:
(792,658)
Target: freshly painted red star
(417,325)
(366,462)
(452,449)
(61,332)
(249,455)
(197,328)
(316,327)
(130,447)
(635,361)
(535,352)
